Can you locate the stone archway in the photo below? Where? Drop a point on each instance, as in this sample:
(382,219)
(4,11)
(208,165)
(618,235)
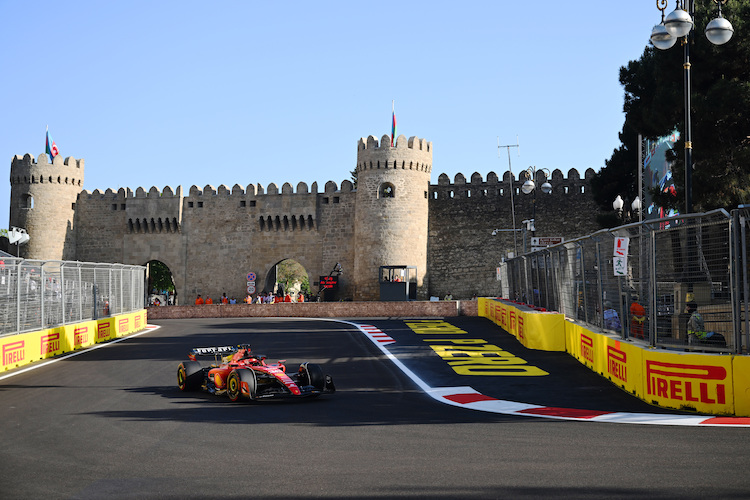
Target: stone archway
(287,276)
(161,286)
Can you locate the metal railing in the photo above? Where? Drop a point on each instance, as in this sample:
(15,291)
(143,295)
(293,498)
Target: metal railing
(35,294)
(647,280)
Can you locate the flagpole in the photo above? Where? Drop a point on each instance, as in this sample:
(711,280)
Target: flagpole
(393,122)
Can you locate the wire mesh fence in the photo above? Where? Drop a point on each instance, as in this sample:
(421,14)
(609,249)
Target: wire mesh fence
(675,283)
(35,295)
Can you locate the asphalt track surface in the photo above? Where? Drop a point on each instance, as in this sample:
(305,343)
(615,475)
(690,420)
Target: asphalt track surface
(111,423)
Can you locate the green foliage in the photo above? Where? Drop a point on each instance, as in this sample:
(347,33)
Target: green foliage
(305,287)
(290,272)
(654,106)
(160,277)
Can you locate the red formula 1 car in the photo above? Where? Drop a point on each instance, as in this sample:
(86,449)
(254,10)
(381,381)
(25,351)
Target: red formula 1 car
(240,373)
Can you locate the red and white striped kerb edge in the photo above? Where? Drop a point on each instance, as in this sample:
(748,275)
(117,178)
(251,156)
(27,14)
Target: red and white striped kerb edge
(467,397)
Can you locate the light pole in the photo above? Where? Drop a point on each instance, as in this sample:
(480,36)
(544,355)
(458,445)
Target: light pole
(530,187)
(627,216)
(679,24)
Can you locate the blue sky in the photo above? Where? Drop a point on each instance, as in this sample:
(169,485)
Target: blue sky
(189,93)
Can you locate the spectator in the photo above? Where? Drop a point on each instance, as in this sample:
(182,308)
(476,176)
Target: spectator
(209,300)
(199,300)
(696,328)
(611,318)
(224,298)
(232,300)
(637,319)
(448,296)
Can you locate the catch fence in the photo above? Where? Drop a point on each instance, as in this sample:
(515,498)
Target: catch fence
(35,295)
(647,280)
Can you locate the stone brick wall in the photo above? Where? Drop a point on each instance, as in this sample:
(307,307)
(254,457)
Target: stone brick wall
(462,252)
(212,238)
(42,200)
(413,309)
(391,227)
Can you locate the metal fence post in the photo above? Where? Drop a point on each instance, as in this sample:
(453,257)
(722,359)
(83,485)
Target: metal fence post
(654,288)
(600,290)
(745,291)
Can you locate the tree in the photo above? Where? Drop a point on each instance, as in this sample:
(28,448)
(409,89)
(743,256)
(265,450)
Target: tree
(654,107)
(289,272)
(160,277)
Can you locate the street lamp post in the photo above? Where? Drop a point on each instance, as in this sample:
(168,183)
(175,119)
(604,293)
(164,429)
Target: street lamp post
(679,24)
(530,187)
(627,216)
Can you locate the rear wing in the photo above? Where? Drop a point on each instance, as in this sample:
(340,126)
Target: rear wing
(213,351)
(216,351)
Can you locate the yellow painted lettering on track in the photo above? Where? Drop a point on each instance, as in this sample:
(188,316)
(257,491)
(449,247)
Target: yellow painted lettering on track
(458,341)
(472,356)
(508,371)
(433,327)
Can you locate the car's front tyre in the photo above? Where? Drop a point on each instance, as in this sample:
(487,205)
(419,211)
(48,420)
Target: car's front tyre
(241,383)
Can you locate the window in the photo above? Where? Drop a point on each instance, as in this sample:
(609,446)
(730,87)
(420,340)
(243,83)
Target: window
(28,201)
(190,204)
(243,204)
(387,190)
(336,199)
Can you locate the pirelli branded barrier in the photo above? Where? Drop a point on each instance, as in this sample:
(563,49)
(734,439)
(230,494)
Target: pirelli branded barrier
(706,383)
(24,348)
(535,329)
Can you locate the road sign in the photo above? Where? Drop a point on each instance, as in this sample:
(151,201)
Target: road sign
(620,266)
(250,276)
(621,246)
(545,241)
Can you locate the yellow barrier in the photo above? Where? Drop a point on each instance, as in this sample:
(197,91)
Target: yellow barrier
(24,348)
(714,384)
(539,330)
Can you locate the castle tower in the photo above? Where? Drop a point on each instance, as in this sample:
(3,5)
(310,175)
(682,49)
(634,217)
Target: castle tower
(390,222)
(42,201)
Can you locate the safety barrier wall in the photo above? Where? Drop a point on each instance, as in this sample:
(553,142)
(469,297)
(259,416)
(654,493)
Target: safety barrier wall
(534,328)
(24,348)
(717,384)
(416,309)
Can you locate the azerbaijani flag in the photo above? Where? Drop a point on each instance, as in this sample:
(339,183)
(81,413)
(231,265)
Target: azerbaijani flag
(393,128)
(51,150)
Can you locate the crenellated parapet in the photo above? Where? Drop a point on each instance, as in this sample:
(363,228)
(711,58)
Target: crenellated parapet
(412,154)
(29,170)
(571,184)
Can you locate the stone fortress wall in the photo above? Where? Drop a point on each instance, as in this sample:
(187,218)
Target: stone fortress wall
(211,238)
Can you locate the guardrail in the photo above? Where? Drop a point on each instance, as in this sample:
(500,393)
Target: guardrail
(35,295)
(668,282)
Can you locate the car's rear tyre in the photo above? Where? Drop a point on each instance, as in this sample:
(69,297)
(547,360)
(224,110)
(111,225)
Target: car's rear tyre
(189,375)
(241,383)
(312,374)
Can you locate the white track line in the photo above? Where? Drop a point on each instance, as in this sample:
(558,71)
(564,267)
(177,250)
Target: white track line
(39,364)
(467,397)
